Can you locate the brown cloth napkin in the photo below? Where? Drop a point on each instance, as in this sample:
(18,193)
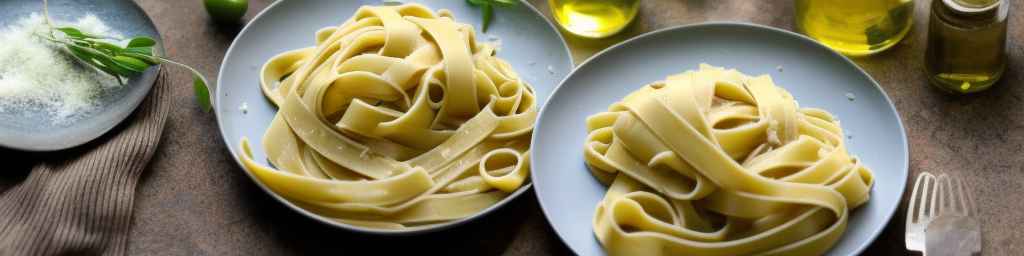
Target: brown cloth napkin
(79,201)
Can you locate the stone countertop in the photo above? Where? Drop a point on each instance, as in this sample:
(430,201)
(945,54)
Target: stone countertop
(195,200)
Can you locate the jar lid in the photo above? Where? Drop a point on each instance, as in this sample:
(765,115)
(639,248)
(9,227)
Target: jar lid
(972,7)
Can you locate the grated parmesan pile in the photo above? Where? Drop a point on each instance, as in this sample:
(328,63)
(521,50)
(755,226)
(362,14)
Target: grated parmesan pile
(38,76)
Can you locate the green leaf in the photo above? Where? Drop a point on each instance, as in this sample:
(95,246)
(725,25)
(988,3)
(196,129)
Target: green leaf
(144,57)
(487,9)
(141,41)
(505,3)
(487,13)
(74,32)
(110,62)
(131,63)
(202,91)
(80,42)
(79,52)
(91,56)
(140,50)
(199,85)
(110,48)
(88,58)
(121,70)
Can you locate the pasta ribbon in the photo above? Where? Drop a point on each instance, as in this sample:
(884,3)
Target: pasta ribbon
(396,119)
(715,162)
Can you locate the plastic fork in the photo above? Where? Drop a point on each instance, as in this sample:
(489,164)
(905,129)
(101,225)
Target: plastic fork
(940,216)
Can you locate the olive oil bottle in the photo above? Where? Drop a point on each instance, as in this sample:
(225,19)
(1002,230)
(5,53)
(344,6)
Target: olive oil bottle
(594,18)
(966,44)
(855,27)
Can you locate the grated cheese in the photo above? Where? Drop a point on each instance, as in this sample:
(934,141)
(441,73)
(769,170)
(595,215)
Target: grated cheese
(244,108)
(495,41)
(38,76)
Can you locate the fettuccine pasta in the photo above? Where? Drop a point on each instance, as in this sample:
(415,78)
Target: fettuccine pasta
(714,162)
(396,119)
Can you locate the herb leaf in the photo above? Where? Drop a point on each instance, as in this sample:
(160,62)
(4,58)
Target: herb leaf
(139,50)
(505,3)
(85,56)
(131,63)
(148,58)
(199,86)
(74,32)
(488,12)
(487,9)
(141,41)
(108,47)
(202,91)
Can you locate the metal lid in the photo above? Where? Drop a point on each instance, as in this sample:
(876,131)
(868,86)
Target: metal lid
(973,7)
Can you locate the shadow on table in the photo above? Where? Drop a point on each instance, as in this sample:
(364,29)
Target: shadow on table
(490,235)
(226,30)
(17,171)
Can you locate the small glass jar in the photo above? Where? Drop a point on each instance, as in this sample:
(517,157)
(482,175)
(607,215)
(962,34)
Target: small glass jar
(855,27)
(594,18)
(966,44)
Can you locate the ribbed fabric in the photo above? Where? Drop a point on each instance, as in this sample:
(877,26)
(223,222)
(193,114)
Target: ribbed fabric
(79,201)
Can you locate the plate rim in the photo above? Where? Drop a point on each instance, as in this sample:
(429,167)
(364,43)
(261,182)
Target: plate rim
(75,141)
(428,229)
(736,24)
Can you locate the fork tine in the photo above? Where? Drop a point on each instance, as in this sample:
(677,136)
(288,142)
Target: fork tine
(951,194)
(954,195)
(969,208)
(939,195)
(927,180)
(927,207)
(912,206)
(957,189)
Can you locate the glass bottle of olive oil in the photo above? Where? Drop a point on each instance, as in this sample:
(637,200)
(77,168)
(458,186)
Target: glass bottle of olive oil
(966,44)
(594,18)
(855,27)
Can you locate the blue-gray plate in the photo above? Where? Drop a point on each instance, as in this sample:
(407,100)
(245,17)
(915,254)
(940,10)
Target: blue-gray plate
(32,129)
(815,75)
(529,43)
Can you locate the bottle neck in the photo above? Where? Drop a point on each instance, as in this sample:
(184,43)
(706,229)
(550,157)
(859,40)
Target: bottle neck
(966,14)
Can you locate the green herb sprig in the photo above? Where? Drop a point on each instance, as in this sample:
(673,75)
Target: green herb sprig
(120,58)
(487,9)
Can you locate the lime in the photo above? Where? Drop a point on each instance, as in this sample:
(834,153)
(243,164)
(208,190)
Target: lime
(226,10)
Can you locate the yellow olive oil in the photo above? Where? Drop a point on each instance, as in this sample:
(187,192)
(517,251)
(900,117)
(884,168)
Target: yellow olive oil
(594,18)
(966,44)
(855,27)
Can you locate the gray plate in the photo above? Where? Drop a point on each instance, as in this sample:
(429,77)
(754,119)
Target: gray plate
(32,130)
(815,75)
(529,43)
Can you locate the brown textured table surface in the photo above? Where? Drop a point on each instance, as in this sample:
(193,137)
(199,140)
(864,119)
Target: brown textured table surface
(195,200)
